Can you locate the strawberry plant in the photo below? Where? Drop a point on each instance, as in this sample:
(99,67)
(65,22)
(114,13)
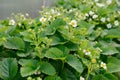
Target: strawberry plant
(75,42)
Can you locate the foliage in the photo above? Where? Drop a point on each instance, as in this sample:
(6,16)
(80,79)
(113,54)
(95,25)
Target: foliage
(74,42)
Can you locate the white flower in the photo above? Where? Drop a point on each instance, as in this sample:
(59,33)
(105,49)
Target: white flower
(95,16)
(91,13)
(73,23)
(87,52)
(108,19)
(58,14)
(100,4)
(27,14)
(82,78)
(84,0)
(42,19)
(109,25)
(90,19)
(46,13)
(109,2)
(50,17)
(12,22)
(66,27)
(96,0)
(87,15)
(103,65)
(103,19)
(19,24)
(71,10)
(116,23)
(53,11)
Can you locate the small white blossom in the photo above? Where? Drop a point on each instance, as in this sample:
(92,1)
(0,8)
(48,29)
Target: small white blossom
(73,23)
(90,19)
(82,78)
(76,13)
(19,24)
(27,14)
(100,4)
(53,11)
(87,52)
(108,19)
(109,25)
(11,22)
(87,15)
(103,65)
(91,13)
(108,2)
(58,14)
(30,22)
(50,17)
(84,0)
(116,23)
(66,27)
(118,12)
(95,16)
(96,0)
(46,13)
(103,19)
(71,10)
(42,19)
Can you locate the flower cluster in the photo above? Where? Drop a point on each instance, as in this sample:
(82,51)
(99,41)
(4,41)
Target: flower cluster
(12,22)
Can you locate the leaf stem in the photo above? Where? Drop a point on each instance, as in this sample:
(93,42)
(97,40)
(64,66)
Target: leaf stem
(89,71)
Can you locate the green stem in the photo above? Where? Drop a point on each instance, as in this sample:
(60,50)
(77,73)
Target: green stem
(63,64)
(89,71)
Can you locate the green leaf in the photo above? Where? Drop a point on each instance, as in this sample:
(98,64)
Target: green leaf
(108,48)
(100,77)
(64,49)
(113,33)
(3,38)
(57,40)
(110,76)
(29,67)
(75,63)
(64,32)
(55,53)
(3,29)
(72,46)
(113,65)
(102,11)
(84,24)
(106,76)
(47,68)
(68,75)
(27,36)
(53,78)
(15,43)
(84,8)
(51,29)
(8,68)
(23,54)
(58,22)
